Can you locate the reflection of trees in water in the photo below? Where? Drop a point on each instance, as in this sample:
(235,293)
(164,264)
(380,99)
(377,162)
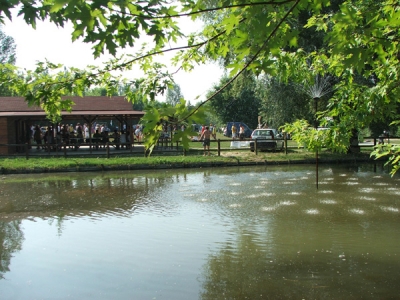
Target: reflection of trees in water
(11,238)
(239,272)
(249,271)
(90,196)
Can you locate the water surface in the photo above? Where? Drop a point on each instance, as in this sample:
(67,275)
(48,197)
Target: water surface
(228,233)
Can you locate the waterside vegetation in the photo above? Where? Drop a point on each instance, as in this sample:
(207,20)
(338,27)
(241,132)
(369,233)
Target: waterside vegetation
(21,165)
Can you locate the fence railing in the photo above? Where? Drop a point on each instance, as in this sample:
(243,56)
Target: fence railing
(163,145)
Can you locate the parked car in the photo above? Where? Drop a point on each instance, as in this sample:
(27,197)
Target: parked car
(267,139)
(228,130)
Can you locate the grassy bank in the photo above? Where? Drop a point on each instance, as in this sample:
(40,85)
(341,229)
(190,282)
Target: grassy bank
(61,164)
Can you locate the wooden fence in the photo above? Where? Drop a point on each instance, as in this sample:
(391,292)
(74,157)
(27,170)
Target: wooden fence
(164,146)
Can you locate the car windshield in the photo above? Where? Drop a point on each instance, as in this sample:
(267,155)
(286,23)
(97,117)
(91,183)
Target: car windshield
(263,133)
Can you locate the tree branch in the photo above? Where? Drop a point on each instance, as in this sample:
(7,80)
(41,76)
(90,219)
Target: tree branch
(204,10)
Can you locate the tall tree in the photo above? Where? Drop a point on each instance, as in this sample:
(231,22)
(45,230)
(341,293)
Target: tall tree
(7,56)
(237,102)
(7,49)
(174,94)
(282,102)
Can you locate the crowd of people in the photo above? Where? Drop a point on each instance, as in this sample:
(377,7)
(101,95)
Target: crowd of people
(73,136)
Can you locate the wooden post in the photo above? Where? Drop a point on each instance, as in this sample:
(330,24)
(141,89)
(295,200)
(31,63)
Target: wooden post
(65,149)
(219,147)
(255,147)
(285,137)
(27,151)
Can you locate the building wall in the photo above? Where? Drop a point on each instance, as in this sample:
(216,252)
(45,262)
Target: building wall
(7,135)
(3,135)
(12,135)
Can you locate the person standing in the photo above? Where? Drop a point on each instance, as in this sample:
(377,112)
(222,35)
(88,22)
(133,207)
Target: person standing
(213,130)
(38,137)
(122,139)
(203,128)
(206,136)
(138,134)
(241,132)
(86,132)
(234,131)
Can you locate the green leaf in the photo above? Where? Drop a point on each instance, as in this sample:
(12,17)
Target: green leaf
(58,5)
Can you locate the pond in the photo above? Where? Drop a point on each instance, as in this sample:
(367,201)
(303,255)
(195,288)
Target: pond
(226,233)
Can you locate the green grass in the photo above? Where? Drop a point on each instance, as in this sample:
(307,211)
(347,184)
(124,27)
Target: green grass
(192,157)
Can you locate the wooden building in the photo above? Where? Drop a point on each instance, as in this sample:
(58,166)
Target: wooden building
(17,118)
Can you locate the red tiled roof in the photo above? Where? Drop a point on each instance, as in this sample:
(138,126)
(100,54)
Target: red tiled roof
(89,104)
(74,113)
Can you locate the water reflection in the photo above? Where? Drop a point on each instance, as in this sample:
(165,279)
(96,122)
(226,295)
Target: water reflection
(229,233)
(11,238)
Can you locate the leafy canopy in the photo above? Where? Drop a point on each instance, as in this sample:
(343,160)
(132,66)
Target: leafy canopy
(360,38)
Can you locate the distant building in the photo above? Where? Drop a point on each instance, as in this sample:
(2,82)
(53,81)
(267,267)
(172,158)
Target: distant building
(16,117)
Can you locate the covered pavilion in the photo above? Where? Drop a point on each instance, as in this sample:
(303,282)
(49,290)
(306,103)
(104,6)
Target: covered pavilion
(17,117)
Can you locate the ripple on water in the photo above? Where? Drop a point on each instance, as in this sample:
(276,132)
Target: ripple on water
(381,183)
(253,196)
(203,200)
(394,191)
(189,195)
(366,190)
(268,208)
(287,202)
(260,195)
(389,209)
(377,176)
(235,205)
(326,192)
(357,211)
(328,201)
(312,211)
(287,182)
(342,175)
(293,193)
(294,179)
(350,183)
(233,193)
(367,198)
(235,183)
(268,194)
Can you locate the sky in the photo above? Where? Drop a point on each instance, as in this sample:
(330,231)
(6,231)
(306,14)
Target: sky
(54,44)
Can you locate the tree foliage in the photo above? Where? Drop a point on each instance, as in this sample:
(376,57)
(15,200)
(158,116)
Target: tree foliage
(361,38)
(174,94)
(238,102)
(283,102)
(7,56)
(7,49)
